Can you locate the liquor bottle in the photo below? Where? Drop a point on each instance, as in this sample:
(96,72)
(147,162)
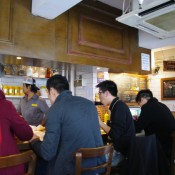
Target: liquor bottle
(48,73)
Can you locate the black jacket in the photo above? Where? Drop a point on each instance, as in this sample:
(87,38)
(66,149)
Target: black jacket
(122,127)
(156,118)
(145,158)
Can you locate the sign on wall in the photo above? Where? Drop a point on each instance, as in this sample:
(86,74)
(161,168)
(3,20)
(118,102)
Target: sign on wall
(145,62)
(169,66)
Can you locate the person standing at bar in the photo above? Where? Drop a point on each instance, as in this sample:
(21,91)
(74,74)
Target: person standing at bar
(121,128)
(72,123)
(31,106)
(11,125)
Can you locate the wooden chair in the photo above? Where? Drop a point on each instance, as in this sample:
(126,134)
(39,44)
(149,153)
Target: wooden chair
(84,153)
(18,159)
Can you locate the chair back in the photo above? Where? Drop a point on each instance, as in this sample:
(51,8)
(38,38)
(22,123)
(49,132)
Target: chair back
(172,161)
(18,159)
(84,153)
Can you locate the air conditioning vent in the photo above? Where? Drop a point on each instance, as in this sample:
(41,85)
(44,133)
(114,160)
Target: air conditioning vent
(161,6)
(156,18)
(146,28)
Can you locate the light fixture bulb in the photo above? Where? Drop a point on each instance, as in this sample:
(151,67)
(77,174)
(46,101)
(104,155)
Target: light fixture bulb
(140,3)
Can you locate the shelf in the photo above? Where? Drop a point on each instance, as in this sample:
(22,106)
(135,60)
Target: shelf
(13,96)
(17,96)
(22,76)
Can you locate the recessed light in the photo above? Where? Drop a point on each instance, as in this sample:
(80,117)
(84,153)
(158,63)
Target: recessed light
(18,58)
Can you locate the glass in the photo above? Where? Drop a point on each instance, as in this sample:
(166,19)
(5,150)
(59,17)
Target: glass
(100,92)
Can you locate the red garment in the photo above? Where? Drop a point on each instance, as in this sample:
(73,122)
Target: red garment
(11,124)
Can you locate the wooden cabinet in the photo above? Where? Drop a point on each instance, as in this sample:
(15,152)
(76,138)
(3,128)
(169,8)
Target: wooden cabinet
(86,34)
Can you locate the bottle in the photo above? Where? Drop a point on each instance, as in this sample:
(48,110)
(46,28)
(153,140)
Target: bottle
(16,90)
(6,89)
(11,90)
(48,73)
(106,117)
(21,93)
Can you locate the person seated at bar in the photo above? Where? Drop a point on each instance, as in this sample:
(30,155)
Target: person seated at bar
(155,118)
(12,125)
(71,123)
(121,129)
(31,106)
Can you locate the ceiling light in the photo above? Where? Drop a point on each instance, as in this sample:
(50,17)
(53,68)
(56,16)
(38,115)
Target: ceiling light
(18,58)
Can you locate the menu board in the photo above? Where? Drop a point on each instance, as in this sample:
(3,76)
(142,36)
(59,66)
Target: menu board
(169,66)
(145,62)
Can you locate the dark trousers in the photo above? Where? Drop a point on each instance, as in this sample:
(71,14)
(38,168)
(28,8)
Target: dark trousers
(41,167)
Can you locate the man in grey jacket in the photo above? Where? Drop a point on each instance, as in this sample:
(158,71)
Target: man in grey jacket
(71,123)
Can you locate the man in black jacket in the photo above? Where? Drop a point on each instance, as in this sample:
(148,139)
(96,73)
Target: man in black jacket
(121,129)
(155,118)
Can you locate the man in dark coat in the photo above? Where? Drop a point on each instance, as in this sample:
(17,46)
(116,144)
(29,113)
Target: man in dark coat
(71,123)
(155,118)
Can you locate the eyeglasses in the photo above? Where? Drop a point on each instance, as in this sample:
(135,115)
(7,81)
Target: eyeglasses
(100,92)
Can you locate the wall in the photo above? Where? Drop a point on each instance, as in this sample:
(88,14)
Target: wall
(155,86)
(89,81)
(86,89)
(128,84)
(153,83)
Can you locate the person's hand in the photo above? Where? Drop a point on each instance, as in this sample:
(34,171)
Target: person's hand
(34,137)
(40,128)
(100,121)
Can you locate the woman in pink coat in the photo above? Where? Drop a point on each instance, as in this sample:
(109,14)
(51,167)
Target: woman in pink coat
(11,126)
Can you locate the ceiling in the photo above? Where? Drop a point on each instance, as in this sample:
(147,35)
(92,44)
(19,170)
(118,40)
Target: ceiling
(115,3)
(163,49)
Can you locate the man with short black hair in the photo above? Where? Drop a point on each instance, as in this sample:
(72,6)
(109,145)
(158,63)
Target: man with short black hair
(121,129)
(155,118)
(72,123)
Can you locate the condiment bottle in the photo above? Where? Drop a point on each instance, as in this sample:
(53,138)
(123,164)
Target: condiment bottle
(17,90)
(6,90)
(106,117)
(11,90)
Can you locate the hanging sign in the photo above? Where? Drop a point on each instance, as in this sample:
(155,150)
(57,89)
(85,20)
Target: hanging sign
(145,62)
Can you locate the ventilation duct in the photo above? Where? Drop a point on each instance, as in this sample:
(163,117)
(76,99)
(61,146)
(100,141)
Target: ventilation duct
(50,9)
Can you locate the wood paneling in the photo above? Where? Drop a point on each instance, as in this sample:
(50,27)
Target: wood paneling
(6,21)
(96,36)
(86,34)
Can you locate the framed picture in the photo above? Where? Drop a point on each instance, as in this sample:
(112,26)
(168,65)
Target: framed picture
(167,88)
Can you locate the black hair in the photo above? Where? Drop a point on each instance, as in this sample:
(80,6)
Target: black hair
(145,93)
(1,70)
(33,88)
(108,85)
(58,82)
